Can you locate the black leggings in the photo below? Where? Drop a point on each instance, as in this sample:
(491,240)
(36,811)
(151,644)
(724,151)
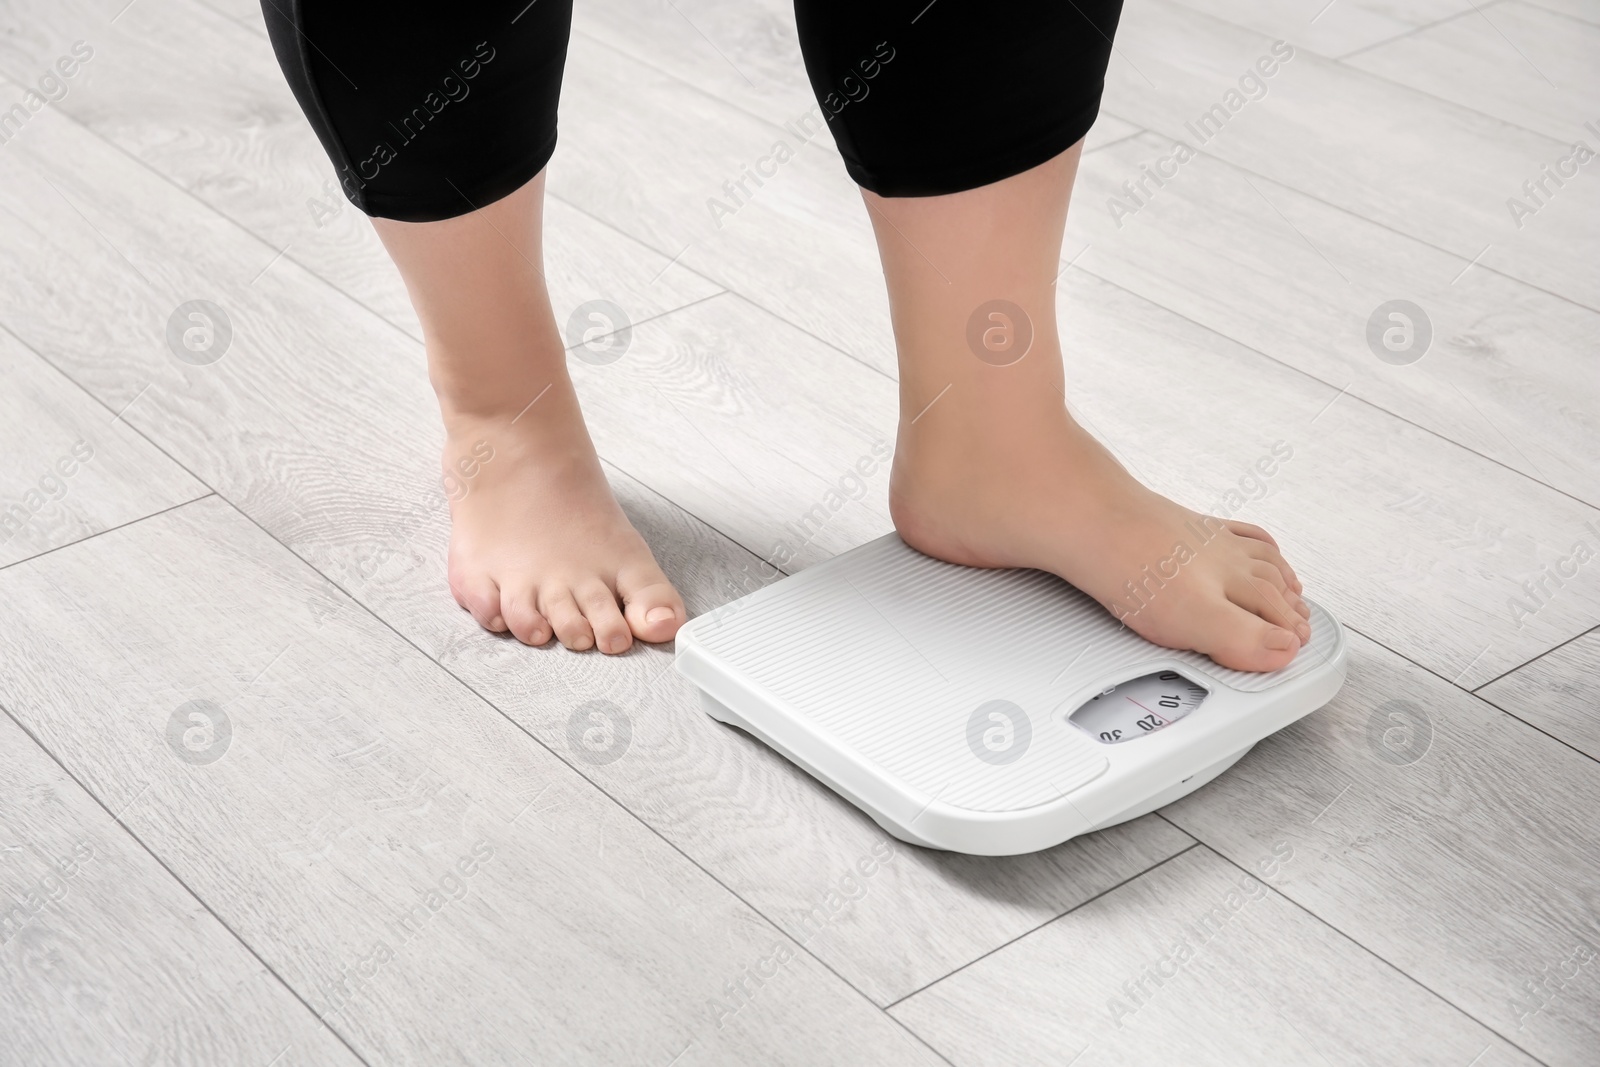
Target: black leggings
(431,110)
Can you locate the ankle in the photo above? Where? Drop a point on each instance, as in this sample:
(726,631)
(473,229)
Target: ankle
(977,430)
(492,371)
(530,395)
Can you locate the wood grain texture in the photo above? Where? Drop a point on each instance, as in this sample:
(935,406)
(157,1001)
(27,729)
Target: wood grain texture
(337,458)
(812,863)
(209,109)
(436,884)
(1587,10)
(1196,962)
(799,245)
(842,304)
(306,447)
(178,167)
(71,468)
(1333,29)
(1359,142)
(1513,60)
(1507,371)
(1443,836)
(106,958)
(744,52)
(1405,536)
(1558,693)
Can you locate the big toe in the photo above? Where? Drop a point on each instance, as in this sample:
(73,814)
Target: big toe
(653,608)
(1244,641)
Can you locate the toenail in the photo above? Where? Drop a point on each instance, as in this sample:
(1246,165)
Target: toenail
(1279,640)
(660,614)
(497,623)
(1304,630)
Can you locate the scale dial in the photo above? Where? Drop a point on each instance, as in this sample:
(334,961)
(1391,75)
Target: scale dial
(1139,707)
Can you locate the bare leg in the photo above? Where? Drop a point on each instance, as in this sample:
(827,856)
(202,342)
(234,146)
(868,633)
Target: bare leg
(996,473)
(538,543)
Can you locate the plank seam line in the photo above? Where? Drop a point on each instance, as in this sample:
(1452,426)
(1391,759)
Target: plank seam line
(1194,843)
(1375,955)
(117,819)
(1478,690)
(1413,31)
(1474,693)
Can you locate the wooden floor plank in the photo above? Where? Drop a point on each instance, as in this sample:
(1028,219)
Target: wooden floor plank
(1513,60)
(1360,142)
(1332,28)
(1587,10)
(338,459)
(106,958)
(800,244)
(1494,364)
(1196,962)
(1558,693)
(746,53)
(1407,537)
(432,881)
(72,469)
(210,110)
(1404,535)
(1448,528)
(730,418)
(887,917)
(1442,835)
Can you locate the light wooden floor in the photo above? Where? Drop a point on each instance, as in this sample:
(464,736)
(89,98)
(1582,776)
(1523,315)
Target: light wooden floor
(395,851)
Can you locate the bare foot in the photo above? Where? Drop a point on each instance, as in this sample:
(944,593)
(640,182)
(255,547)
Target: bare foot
(538,543)
(1034,489)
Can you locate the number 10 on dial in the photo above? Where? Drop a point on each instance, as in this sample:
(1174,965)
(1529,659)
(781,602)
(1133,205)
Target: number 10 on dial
(1138,708)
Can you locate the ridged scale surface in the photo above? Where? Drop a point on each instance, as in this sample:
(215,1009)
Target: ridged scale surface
(891,652)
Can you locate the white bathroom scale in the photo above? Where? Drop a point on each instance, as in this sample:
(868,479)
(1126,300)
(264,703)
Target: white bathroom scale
(991,712)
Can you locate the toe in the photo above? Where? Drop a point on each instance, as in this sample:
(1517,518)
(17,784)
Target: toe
(1260,596)
(1250,530)
(611,633)
(1244,641)
(480,595)
(566,617)
(1270,574)
(652,607)
(522,618)
(1266,550)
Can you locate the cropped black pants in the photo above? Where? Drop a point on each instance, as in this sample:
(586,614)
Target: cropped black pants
(432,110)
